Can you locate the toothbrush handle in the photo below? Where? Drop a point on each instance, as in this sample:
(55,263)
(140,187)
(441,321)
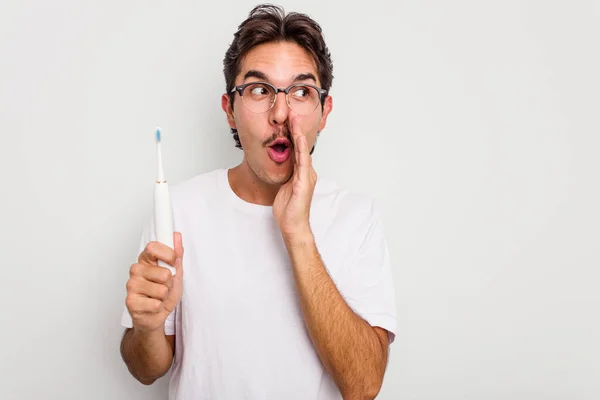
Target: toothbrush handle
(163,218)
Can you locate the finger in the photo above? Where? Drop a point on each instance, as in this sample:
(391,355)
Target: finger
(153,290)
(304,160)
(152,273)
(141,286)
(296,155)
(178,242)
(178,268)
(300,149)
(296,134)
(142,304)
(155,251)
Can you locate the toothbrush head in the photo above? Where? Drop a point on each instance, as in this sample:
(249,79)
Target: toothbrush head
(157,134)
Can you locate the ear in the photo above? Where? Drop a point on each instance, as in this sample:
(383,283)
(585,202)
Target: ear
(327,107)
(228,108)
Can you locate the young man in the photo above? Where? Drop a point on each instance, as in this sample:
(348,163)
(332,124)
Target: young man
(284,290)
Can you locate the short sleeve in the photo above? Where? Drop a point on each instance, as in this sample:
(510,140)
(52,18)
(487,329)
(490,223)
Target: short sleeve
(126,321)
(367,284)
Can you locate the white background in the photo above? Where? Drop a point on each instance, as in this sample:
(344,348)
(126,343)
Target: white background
(476,123)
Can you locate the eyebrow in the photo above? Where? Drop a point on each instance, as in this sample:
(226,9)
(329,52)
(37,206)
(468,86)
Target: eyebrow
(255,74)
(305,77)
(261,75)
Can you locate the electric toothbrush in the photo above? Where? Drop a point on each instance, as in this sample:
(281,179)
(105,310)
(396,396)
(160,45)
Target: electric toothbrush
(163,213)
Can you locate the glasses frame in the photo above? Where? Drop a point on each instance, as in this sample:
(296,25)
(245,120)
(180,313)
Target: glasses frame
(240,89)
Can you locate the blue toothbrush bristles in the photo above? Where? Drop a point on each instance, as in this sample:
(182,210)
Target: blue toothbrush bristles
(158,134)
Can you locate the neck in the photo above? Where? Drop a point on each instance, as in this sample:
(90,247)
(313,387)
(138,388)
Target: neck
(247,186)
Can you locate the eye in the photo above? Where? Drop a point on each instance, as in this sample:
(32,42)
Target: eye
(258,91)
(300,92)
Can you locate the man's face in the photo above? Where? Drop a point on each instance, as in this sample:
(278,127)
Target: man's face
(280,64)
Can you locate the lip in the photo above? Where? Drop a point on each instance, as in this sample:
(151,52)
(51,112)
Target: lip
(284,155)
(284,141)
(279,157)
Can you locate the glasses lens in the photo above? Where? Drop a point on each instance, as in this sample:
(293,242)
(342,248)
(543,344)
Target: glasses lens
(303,99)
(258,97)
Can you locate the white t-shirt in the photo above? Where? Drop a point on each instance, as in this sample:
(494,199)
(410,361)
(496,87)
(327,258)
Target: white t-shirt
(239,329)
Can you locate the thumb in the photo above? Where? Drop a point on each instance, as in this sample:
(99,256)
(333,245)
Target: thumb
(178,244)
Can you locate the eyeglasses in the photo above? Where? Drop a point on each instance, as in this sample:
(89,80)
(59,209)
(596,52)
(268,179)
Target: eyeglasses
(260,97)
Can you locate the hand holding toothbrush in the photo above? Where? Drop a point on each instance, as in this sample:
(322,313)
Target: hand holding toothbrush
(153,291)
(155,286)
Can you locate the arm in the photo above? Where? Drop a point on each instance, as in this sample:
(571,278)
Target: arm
(353,352)
(148,355)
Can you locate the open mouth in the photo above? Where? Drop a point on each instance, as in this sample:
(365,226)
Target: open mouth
(280,150)
(280,147)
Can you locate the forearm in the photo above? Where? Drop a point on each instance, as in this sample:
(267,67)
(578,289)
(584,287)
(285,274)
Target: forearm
(148,356)
(347,345)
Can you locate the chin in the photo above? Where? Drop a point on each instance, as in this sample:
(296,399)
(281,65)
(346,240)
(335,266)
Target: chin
(279,177)
(272,173)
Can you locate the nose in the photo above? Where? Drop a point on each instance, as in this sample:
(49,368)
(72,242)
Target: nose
(280,110)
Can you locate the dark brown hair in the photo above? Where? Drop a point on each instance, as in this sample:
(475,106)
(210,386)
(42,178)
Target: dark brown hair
(269,23)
